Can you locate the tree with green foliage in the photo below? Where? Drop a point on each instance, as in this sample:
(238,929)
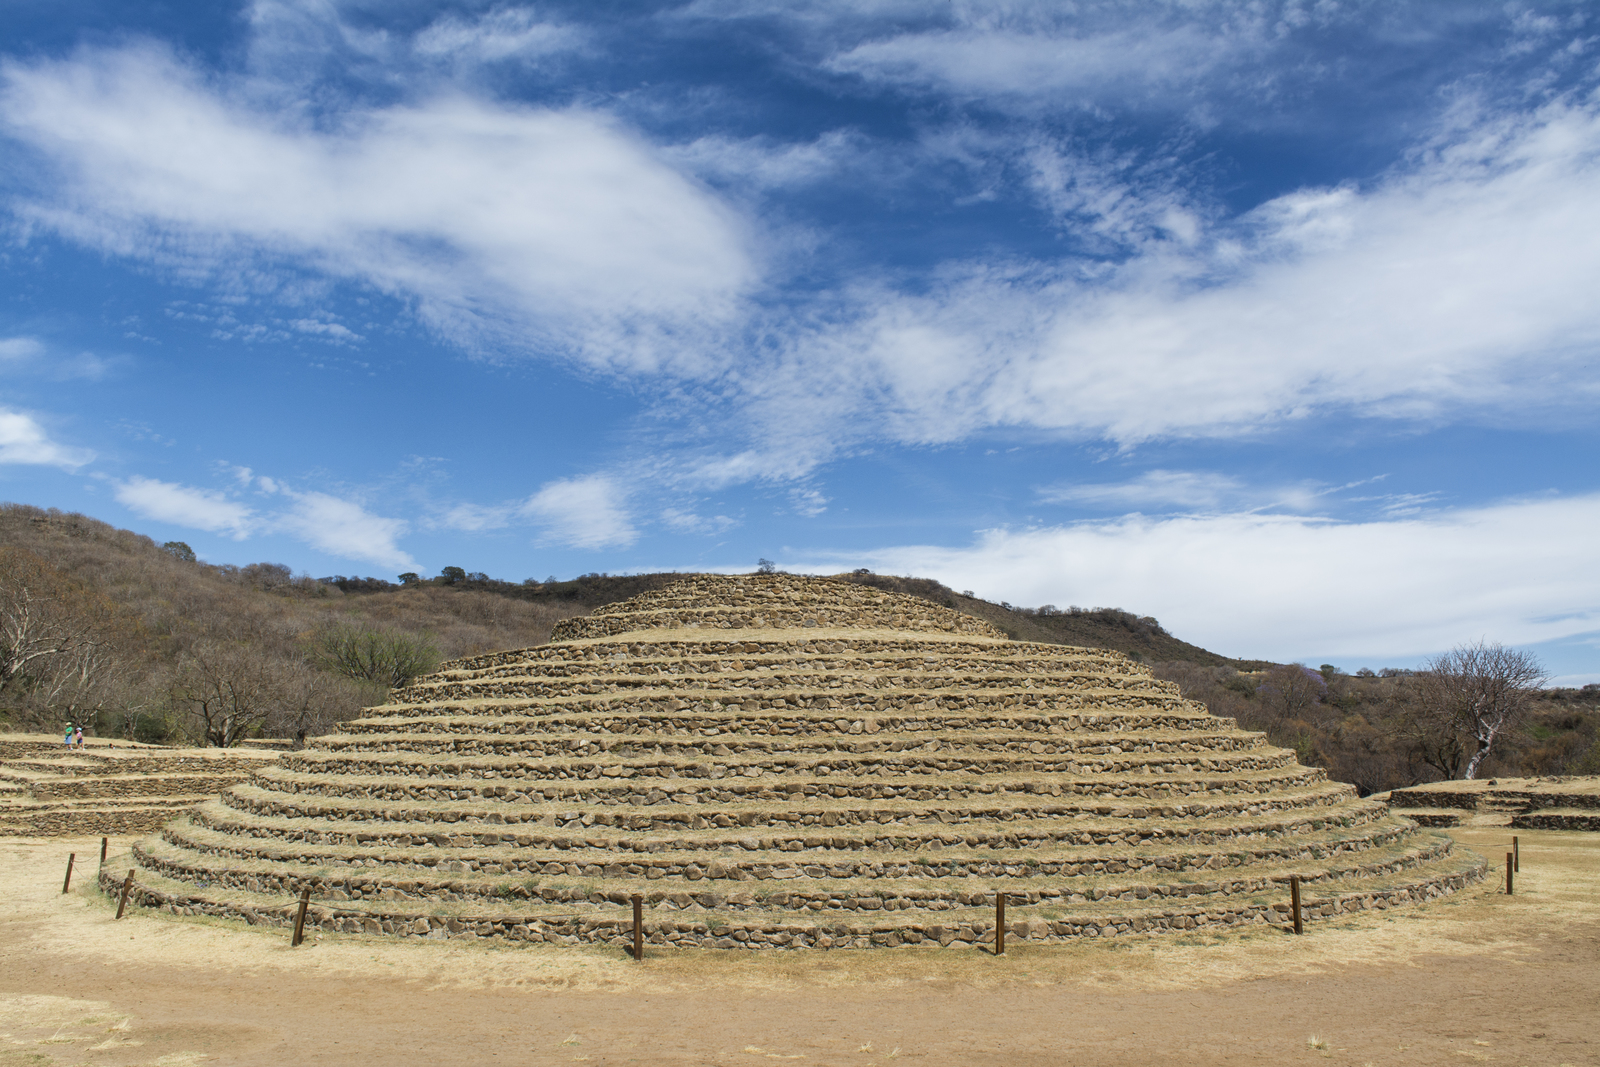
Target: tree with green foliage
(179,550)
(366,653)
(452,575)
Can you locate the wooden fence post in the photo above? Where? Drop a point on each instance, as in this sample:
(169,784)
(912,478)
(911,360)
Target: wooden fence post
(300,918)
(1294,902)
(67,883)
(1516,856)
(1511,865)
(638,927)
(103,842)
(999,924)
(127,884)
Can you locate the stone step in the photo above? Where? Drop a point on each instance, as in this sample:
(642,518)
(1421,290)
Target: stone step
(1023,662)
(108,819)
(555,810)
(67,765)
(676,718)
(1083,830)
(834,857)
(699,696)
(910,671)
(799,890)
(141,785)
(26,776)
(1430,816)
(822,768)
(1093,743)
(666,926)
(26,806)
(771,616)
(995,687)
(825,651)
(1585,818)
(790,789)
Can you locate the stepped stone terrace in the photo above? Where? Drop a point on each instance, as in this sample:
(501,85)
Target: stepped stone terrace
(47,789)
(774,761)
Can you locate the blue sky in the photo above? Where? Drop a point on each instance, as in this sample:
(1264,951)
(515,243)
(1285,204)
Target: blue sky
(1277,321)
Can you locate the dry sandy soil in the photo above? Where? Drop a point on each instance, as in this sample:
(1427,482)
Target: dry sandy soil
(1478,978)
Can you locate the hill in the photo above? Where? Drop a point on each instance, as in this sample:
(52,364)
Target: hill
(169,647)
(174,649)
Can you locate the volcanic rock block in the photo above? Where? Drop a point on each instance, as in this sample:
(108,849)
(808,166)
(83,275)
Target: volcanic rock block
(783,762)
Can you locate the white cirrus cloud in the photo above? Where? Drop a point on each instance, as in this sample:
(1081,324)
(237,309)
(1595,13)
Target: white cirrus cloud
(1159,488)
(686,521)
(1188,490)
(20,349)
(24,441)
(585,512)
(1294,587)
(337,526)
(182,505)
(501,34)
(999,61)
(522,227)
(1458,287)
(344,528)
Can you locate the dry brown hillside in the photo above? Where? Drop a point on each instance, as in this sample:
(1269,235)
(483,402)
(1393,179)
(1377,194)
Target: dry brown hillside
(170,634)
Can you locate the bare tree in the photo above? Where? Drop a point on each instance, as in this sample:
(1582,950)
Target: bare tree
(1468,698)
(56,651)
(1290,693)
(228,690)
(312,701)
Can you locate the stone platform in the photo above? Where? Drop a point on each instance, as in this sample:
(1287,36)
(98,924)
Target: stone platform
(48,789)
(773,761)
(1566,802)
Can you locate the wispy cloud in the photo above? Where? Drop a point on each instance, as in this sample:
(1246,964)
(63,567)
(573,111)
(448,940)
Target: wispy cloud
(1457,287)
(183,505)
(31,356)
(15,350)
(681,520)
(336,525)
(1290,587)
(505,33)
(24,441)
(1146,63)
(344,528)
(1197,490)
(586,512)
(519,228)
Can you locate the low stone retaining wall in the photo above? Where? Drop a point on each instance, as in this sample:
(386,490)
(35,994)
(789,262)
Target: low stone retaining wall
(796,651)
(1290,822)
(572,930)
(154,785)
(1558,819)
(112,822)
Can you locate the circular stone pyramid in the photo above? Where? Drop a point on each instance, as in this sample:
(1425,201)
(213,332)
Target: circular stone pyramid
(775,761)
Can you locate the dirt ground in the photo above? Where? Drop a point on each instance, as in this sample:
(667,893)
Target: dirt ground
(1477,978)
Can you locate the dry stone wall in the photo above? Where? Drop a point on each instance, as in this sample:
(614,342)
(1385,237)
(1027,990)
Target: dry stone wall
(874,779)
(1557,802)
(47,789)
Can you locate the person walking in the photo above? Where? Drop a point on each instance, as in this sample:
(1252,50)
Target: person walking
(77,736)
(67,740)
